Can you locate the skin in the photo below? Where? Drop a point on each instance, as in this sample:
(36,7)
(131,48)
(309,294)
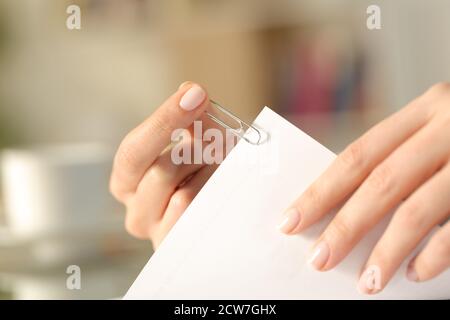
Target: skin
(403,162)
(154,190)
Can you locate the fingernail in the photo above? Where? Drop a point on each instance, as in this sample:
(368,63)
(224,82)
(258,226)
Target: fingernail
(290,221)
(183,84)
(370,280)
(319,256)
(411,273)
(192,98)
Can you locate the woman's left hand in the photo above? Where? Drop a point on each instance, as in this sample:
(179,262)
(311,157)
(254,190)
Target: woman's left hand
(403,162)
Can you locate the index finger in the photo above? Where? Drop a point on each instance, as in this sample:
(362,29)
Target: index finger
(143,145)
(353,165)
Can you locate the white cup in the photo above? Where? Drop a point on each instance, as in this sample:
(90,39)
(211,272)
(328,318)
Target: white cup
(57,191)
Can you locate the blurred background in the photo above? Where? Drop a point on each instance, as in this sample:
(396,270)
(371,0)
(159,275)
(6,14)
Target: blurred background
(67,97)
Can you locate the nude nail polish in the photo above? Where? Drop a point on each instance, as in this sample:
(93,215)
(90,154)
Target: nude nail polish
(411,273)
(370,280)
(319,256)
(192,98)
(290,220)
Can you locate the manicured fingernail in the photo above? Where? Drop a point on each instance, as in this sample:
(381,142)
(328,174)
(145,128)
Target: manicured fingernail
(411,273)
(183,84)
(319,255)
(192,98)
(290,221)
(370,280)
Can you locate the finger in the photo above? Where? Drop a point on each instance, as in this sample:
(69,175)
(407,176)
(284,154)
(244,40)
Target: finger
(143,145)
(148,203)
(146,207)
(180,200)
(393,180)
(215,138)
(412,221)
(353,165)
(434,258)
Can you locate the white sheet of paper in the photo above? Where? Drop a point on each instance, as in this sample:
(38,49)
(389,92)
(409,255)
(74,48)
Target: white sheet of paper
(226,245)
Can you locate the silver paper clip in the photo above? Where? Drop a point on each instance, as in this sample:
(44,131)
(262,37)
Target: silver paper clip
(242,130)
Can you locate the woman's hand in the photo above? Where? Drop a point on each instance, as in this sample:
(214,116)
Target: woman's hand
(403,161)
(154,189)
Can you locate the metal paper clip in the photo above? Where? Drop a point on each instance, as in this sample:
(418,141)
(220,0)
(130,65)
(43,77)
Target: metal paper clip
(242,131)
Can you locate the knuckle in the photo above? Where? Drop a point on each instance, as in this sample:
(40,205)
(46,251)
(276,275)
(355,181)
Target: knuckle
(340,228)
(353,156)
(158,175)
(312,197)
(135,227)
(118,189)
(126,156)
(381,179)
(115,190)
(410,215)
(181,199)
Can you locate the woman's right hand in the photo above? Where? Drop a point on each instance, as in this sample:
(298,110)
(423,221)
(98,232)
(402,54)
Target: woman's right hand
(155,190)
